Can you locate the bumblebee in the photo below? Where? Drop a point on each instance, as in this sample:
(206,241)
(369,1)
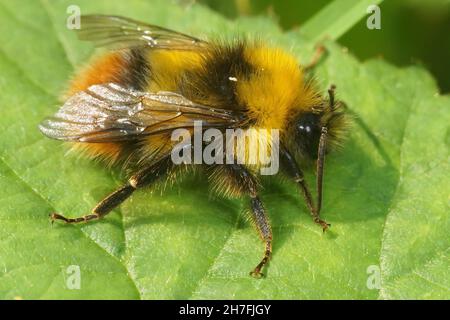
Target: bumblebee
(124,106)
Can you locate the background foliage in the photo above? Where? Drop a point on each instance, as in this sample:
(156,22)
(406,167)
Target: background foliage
(386,193)
(413,31)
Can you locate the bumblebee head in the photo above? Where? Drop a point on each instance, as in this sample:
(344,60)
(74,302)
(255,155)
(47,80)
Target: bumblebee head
(325,122)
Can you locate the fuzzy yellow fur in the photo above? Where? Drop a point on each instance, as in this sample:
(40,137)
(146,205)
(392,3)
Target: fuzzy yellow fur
(167,67)
(277,90)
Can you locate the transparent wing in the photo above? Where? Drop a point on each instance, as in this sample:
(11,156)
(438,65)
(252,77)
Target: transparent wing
(119,32)
(109,113)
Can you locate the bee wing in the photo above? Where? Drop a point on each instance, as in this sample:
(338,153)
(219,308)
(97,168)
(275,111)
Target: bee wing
(109,113)
(119,32)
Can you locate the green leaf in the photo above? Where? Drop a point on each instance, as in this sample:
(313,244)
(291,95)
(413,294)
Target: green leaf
(415,252)
(386,192)
(336,19)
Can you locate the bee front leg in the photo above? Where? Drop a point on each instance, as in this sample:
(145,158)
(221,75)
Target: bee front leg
(139,180)
(296,173)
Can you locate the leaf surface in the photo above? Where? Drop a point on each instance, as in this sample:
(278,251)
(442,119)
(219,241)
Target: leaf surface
(386,192)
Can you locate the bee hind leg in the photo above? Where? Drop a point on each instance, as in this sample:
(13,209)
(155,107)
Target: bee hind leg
(102,208)
(138,180)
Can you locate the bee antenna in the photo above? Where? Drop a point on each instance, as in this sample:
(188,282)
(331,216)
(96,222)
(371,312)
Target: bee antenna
(320,166)
(331,91)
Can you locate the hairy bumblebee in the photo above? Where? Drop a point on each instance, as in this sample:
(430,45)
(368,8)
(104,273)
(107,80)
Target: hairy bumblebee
(125,105)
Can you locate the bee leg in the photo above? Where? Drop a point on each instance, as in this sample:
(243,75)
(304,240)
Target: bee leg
(318,54)
(139,180)
(102,208)
(296,173)
(245,182)
(265,231)
(331,96)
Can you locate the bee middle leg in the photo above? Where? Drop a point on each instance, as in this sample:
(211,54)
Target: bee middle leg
(240,181)
(296,173)
(265,231)
(138,180)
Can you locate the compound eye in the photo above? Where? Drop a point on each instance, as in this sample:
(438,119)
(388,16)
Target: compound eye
(308,134)
(305,128)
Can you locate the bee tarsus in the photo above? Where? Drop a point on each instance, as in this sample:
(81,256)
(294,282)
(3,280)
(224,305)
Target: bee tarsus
(256,273)
(86,218)
(139,180)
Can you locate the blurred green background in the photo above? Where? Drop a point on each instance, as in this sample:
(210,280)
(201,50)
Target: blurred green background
(412,31)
